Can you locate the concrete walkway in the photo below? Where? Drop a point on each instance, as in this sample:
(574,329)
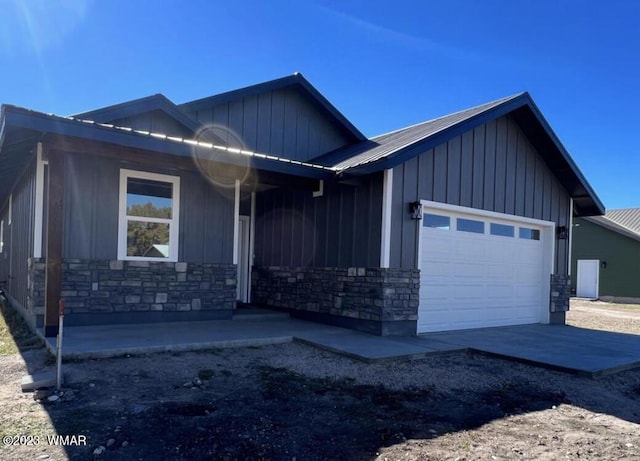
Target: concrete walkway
(575,350)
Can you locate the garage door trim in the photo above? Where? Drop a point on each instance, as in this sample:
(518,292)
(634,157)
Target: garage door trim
(547,237)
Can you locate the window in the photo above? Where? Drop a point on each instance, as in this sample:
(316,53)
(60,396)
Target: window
(502,230)
(529,234)
(149,211)
(436,221)
(470,225)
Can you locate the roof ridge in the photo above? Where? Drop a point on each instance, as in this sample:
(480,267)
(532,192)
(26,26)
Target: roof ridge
(415,125)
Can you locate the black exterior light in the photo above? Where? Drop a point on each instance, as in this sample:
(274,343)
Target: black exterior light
(562,232)
(415,210)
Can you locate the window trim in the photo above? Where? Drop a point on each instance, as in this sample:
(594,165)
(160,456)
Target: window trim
(123,218)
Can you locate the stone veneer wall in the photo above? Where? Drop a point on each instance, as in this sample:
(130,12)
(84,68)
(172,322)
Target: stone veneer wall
(372,299)
(560,293)
(109,287)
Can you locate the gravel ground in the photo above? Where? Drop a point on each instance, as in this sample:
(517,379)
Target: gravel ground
(293,401)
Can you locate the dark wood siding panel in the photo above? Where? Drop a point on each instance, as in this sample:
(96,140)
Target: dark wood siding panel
(521,177)
(499,196)
(453,171)
(155,121)
(489,166)
(91,207)
(410,193)
(282,122)
(295,229)
(425,176)
(18,237)
(511,168)
(477,199)
(466,169)
(440,173)
(92,188)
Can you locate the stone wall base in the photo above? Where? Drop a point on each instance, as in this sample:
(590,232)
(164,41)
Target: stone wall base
(375,300)
(104,291)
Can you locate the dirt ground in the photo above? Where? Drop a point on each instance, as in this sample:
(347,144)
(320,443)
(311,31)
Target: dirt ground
(294,402)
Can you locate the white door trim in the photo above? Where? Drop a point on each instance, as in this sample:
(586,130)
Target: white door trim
(547,236)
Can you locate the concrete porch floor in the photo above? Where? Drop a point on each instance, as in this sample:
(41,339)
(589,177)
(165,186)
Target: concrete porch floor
(575,350)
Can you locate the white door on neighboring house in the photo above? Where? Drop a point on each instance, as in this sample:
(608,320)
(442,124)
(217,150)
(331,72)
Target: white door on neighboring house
(244,265)
(588,277)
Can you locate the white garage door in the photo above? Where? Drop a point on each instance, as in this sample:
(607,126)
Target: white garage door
(478,271)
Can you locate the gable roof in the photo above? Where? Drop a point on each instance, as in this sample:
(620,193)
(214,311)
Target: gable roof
(611,223)
(292,81)
(139,106)
(391,149)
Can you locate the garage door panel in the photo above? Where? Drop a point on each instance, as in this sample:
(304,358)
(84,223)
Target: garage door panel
(474,280)
(469,270)
(466,291)
(437,269)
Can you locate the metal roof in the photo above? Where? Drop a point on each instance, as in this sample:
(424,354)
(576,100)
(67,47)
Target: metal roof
(391,149)
(387,144)
(627,217)
(139,106)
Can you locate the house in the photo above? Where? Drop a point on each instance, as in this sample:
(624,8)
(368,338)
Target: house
(149,211)
(606,256)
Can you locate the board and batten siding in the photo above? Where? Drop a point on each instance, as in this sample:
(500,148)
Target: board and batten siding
(91,211)
(18,237)
(493,167)
(339,229)
(281,122)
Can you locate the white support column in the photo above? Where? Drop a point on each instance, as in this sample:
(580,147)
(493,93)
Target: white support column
(385,243)
(570,235)
(39,204)
(236,221)
(252,233)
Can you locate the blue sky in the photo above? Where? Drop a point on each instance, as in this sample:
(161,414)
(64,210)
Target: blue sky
(383,64)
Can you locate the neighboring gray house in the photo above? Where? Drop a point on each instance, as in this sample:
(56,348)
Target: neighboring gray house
(150,211)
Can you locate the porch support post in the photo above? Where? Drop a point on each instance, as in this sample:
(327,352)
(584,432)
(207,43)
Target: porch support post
(53,245)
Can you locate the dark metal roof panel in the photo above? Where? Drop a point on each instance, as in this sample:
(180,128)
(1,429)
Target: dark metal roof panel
(39,123)
(140,106)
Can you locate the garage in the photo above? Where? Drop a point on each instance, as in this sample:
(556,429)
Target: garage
(482,269)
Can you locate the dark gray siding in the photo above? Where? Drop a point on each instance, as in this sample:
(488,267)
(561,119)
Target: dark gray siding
(91,212)
(493,167)
(18,237)
(281,122)
(339,229)
(155,121)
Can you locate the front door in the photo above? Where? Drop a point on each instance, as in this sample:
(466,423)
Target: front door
(588,276)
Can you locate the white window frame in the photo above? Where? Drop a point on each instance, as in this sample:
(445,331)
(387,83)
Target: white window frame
(123,218)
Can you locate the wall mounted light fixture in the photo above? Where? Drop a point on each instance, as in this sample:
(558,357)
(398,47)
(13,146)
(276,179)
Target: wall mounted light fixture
(562,232)
(415,210)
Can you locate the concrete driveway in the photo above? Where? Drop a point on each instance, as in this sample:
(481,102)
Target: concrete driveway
(566,348)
